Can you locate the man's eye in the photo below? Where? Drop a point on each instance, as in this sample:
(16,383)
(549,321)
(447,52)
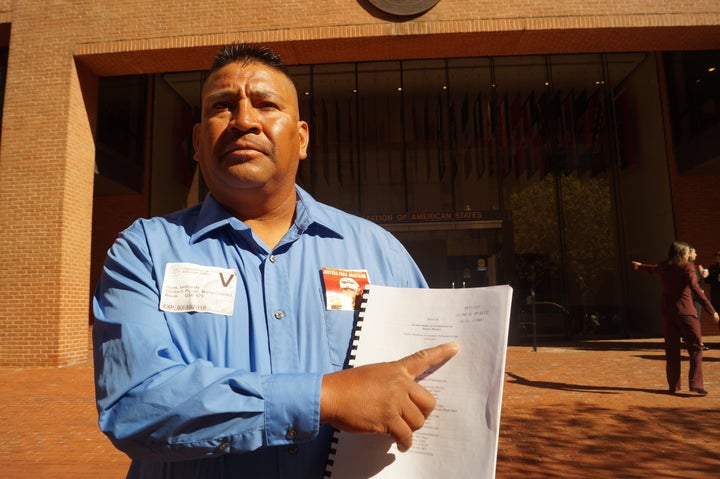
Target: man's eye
(267,105)
(221,105)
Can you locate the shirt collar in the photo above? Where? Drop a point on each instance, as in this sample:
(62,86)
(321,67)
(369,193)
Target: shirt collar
(309,213)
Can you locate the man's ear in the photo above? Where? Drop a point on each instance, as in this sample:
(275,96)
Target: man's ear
(304,135)
(196,141)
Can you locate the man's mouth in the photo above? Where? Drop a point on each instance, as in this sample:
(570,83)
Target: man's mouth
(242,151)
(242,147)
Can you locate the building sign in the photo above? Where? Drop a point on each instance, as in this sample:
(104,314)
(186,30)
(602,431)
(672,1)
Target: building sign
(434,217)
(404,7)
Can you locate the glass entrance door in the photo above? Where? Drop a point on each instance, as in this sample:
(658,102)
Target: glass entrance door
(456,255)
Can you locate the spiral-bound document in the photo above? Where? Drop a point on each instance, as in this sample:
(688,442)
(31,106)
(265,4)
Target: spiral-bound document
(460,438)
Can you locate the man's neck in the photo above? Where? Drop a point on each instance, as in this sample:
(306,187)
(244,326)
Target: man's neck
(268,217)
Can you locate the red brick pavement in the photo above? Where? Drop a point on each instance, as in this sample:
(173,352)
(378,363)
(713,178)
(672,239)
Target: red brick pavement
(586,410)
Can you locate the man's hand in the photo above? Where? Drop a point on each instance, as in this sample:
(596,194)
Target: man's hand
(382,397)
(703,272)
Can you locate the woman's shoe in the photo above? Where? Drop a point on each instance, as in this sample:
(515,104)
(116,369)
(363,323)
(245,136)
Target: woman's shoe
(699,391)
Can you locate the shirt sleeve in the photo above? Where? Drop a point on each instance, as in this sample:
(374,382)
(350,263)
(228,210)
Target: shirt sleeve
(156,404)
(394,261)
(649,268)
(697,291)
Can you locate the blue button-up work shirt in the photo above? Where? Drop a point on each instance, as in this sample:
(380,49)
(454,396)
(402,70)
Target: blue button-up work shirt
(199,394)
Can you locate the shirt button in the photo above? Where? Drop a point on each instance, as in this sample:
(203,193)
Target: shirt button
(290,434)
(279,314)
(293,450)
(272,258)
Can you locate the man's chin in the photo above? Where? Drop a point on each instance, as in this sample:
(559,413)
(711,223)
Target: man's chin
(247,175)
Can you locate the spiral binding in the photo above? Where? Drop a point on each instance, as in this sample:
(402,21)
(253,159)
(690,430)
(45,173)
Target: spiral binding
(350,363)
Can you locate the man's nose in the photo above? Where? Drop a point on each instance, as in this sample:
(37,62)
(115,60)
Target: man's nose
(245,117)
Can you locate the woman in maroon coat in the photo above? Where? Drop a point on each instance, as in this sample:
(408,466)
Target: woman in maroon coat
(679,284)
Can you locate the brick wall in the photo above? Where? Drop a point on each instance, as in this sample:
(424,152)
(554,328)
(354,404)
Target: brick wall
(697,221)
(58,49)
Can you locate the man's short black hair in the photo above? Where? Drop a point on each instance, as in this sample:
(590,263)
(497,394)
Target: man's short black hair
(247,53)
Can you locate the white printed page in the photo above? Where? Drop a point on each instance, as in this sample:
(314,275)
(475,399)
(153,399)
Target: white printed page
(459,440)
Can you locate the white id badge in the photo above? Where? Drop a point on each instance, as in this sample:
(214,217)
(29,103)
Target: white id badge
(194,287)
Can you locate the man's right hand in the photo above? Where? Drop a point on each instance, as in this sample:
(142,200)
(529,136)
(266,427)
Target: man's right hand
(383,397)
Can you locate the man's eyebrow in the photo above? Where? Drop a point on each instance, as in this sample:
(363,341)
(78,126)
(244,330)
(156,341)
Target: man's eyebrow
(266,94)
(230,92)
(218,94)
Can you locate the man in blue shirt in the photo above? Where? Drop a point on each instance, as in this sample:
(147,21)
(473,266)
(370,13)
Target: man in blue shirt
(217,353)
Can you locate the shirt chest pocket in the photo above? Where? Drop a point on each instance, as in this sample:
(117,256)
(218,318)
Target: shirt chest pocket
(339,325)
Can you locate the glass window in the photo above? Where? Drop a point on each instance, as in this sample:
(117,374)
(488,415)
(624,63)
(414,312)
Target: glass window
(3,77)
(693,80)
(380,130)
(522,122)
(429,154)
(333,159)
(120,139)
(586,212)
(471,93)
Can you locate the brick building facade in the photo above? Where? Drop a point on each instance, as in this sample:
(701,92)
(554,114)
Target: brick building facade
(58,51)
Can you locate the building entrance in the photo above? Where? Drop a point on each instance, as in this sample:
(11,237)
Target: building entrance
(556,141)
(456,255)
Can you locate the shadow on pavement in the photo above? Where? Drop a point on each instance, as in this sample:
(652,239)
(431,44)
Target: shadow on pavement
(578,387)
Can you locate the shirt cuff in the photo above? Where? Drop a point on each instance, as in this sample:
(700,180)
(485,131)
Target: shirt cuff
(292,408)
